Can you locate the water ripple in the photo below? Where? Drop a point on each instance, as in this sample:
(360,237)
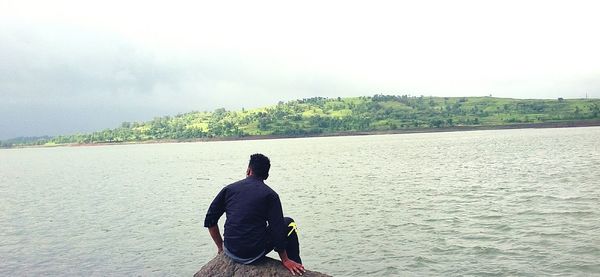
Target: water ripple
(505,203)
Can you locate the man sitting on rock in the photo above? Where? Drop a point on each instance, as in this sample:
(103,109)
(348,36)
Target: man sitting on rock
(255,224)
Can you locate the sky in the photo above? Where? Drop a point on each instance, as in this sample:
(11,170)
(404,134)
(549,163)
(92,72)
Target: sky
(80,66)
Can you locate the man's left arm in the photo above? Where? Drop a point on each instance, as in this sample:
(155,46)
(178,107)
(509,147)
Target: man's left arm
(215,234)
(215,211)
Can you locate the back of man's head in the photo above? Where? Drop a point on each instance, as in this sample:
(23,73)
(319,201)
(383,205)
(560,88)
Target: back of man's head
(260,166)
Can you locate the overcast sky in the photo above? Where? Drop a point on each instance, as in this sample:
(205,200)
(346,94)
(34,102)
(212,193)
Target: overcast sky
(78,66)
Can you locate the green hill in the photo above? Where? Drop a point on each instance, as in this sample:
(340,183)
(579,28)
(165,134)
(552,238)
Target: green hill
(322,116)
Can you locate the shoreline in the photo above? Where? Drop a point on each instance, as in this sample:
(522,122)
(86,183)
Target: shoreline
(541,125)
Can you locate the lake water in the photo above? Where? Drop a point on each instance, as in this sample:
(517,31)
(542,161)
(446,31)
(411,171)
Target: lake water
(507,202)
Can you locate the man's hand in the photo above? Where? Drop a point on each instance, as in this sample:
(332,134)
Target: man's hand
(294,267)
(216,236)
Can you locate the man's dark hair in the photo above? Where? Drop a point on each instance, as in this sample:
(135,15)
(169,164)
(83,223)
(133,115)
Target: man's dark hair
(260,165)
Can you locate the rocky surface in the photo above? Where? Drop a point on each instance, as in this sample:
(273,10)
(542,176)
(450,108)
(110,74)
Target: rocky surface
(222,266)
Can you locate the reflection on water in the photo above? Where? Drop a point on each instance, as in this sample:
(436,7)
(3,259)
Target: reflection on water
(510,202)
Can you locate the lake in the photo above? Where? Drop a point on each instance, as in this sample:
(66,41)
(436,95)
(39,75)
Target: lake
(505,202)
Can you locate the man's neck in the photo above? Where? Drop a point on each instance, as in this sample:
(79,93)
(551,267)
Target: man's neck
(254,178)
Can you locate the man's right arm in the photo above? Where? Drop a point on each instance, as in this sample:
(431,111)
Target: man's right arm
(292,266)
(275,218)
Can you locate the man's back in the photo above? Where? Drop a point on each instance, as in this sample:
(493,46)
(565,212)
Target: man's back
(255,223)
(249,204)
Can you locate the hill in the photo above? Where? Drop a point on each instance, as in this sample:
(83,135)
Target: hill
(323,116)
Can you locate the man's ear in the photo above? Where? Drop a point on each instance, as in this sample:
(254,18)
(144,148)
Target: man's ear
(248,171)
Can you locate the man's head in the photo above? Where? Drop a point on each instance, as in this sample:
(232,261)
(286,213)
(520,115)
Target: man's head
(259,166)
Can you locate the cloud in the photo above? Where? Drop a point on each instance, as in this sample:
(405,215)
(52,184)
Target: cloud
(69,66)
(63,79)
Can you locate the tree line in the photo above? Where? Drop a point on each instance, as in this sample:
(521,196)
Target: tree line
(320,115)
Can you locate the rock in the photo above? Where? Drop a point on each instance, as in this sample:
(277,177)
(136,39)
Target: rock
(223,266)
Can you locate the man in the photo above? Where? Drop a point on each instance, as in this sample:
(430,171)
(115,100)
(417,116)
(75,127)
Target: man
(255,224)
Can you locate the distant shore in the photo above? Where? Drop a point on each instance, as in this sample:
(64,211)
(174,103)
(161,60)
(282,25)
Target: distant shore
(558,124)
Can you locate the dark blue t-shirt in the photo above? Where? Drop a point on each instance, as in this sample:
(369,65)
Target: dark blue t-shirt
(250,205)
